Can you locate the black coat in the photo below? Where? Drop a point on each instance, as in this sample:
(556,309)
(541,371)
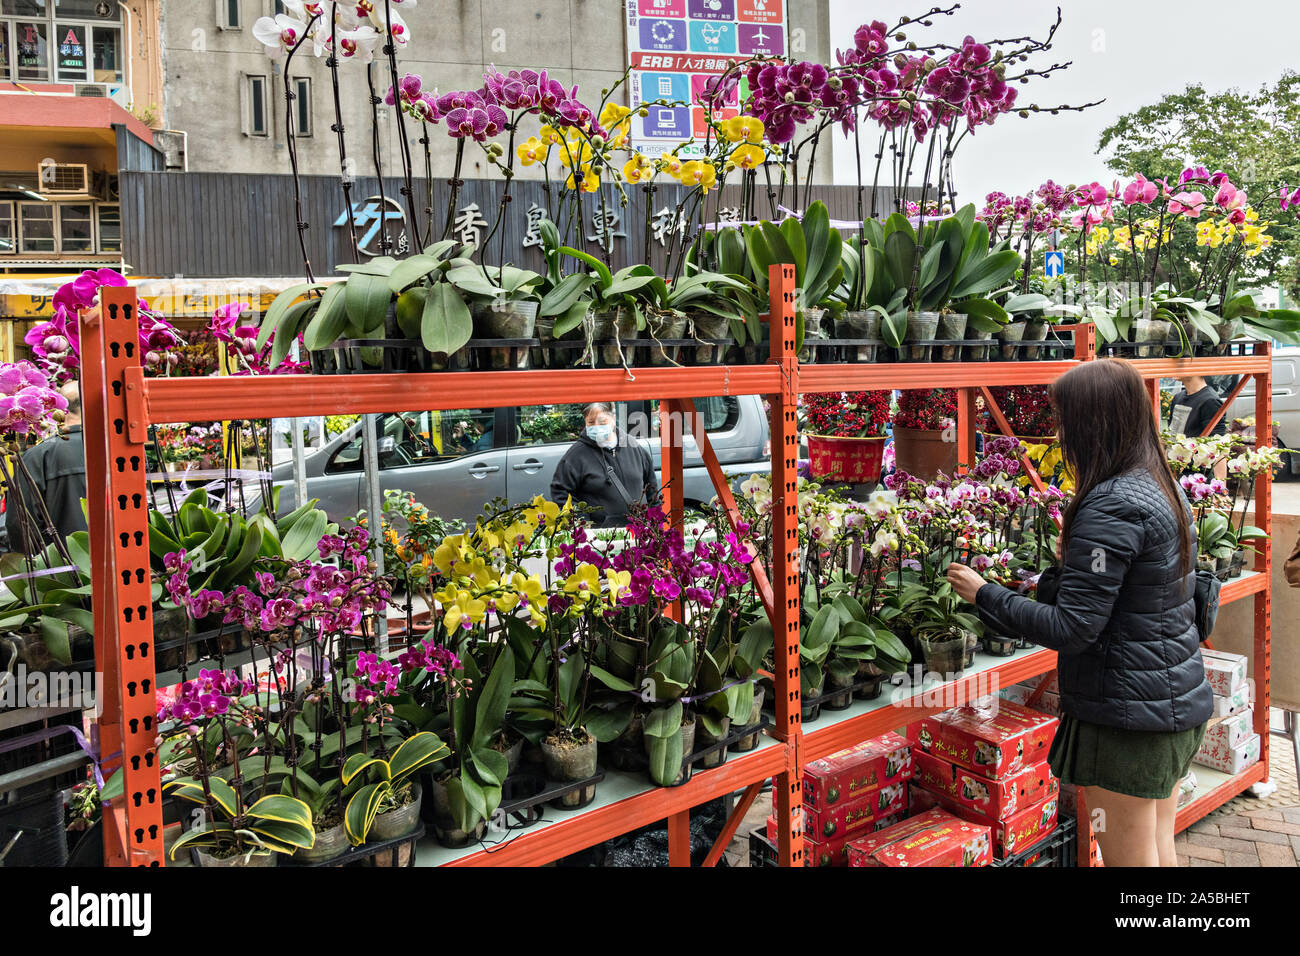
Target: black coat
(583,473)
(1123,618)
(58,467)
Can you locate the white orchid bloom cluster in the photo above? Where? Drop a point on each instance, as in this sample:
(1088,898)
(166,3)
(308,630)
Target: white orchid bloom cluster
(354,33)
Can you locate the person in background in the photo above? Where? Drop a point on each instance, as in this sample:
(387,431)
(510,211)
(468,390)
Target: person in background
(605,470)
(1194,406)
(58,468)
(1134,698)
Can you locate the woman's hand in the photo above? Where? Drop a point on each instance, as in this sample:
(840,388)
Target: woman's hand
(965,581)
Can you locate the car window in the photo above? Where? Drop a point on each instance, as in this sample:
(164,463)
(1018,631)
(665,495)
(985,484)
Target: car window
(548,424)
(419,438)
(720,413)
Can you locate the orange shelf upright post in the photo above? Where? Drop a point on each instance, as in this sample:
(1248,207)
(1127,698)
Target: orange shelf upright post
(787,786)
(670,464)
(122,584)
(1262,663)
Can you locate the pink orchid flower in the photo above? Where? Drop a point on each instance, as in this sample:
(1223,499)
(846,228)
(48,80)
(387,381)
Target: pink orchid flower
(1141,190)
(1229,197)
(1187,204)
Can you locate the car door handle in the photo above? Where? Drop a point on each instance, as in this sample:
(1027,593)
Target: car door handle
(530,465)
(482,471)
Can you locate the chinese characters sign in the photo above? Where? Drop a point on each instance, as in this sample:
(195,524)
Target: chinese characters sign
(676,45)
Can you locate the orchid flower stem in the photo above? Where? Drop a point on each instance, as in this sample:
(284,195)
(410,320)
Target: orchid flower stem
(407,189)
(346,178)
(454,195)
(385,244)
(292,142)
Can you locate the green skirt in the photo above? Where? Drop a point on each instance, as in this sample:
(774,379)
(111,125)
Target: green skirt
(1145,764)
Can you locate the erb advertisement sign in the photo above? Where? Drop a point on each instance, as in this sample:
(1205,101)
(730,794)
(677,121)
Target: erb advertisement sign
(675,46)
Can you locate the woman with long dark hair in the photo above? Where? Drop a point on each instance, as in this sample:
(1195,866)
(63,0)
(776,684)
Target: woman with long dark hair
(1134,698)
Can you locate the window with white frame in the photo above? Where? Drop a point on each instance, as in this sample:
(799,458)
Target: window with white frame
(76,228)
(302,106)
(36,227)
(228,17)
(110,227)
(8,232)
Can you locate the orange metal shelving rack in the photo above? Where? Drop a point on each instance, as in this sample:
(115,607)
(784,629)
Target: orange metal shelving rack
(120,404)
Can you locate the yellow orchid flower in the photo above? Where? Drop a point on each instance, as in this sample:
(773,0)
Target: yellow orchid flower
(747,156)
(618,582)
(671,164)
(532,150)
(743,129)
(697,173)
(583,583)
(449,553)
(638,168)
(613,114)
(550,135)
(464,610)
(530,593)
(618,135)
(589,184)
(576,154)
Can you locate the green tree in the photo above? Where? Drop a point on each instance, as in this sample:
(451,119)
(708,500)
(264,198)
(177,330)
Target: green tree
(1254,137)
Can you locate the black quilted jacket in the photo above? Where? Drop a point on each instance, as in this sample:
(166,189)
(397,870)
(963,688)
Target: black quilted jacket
(1129,655)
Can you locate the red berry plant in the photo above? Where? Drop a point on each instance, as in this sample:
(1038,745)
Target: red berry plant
(926,409)
(846,414)
(1028,410)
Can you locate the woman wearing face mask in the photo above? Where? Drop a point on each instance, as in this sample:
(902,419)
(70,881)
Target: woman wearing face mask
(604,470)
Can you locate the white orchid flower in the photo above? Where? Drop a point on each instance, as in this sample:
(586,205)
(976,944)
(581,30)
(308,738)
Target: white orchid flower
(279,35)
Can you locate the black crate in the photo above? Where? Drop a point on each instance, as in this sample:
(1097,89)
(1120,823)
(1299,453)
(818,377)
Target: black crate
(1059,849)
(762,851)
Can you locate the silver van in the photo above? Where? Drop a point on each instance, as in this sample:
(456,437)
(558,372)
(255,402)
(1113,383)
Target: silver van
(457,461)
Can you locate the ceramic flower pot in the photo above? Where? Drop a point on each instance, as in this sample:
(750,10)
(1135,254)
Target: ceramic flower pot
(1011,335)
(705,739)
(266,858)
(748,743)
(924,453)
(922,327)
(859,325)
(329,844)
(568,760)
(952,327)
(945,655)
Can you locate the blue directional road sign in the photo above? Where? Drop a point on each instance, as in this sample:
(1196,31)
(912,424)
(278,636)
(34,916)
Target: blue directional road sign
(1054,263)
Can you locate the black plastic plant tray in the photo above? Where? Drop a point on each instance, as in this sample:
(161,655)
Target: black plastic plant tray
(638,353)
(1059,849)
(525,795)
(357,853)
(638,760)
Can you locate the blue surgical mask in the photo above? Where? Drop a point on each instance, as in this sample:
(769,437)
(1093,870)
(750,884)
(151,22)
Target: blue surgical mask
(602,435)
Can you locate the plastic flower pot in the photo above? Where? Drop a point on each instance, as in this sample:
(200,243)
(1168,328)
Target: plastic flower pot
(399,822)
(972,644)
(1205,562)
(924,453)
(812,330)
(507,320)
(329,844)
(999,645)
(748,743)
(265,858)
(446,829)
(810,708)
(665,330)
(921,327)
(875,679)
(859,325)
(704,740)
(1238,563)
(1034,332)
(1011,335)
(852,460)
(569,759)
(944,655)
(978,353)
(952,326)
(1151,336)
(839,694)
(712,333)
(1227,330)
(626,751)
(514,752)
(688,747)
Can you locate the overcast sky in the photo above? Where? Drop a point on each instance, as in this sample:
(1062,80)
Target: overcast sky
(1130,52)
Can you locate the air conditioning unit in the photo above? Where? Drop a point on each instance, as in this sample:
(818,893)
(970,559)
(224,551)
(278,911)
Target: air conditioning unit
(63,179)
(90,89)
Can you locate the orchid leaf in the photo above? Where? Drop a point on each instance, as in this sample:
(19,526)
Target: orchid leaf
(446,324)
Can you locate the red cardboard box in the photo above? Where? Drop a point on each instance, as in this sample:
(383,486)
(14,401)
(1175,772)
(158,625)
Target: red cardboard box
(993,740)
(856,816)
(801,821)
(835,851)
(995,799)
(1013,835)
(846,776)
(935,838)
